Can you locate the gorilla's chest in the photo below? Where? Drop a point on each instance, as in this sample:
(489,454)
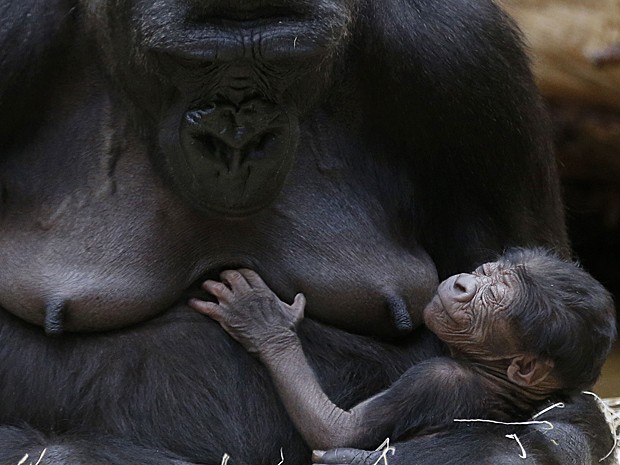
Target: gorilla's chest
(95,228)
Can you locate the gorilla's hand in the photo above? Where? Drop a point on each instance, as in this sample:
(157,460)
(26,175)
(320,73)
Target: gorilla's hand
(250,312)
(345,456)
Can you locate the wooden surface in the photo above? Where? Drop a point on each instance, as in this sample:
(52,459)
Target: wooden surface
(566,38)
(609,384)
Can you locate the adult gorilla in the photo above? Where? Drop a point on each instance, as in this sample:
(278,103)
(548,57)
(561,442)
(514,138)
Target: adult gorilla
(146,145)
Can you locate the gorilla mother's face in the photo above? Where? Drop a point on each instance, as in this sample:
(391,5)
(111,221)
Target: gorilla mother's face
(222,85)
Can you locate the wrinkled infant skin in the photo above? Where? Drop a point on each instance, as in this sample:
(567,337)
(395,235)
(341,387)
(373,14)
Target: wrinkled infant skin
(344,149)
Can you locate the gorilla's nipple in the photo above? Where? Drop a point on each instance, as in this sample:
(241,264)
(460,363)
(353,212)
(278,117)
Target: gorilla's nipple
(399,313)
(55,318)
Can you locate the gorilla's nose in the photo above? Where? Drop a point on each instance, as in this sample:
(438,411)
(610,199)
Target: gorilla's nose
(232,135)
(464,287)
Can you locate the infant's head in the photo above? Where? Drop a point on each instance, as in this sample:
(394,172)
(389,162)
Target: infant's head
(542,314)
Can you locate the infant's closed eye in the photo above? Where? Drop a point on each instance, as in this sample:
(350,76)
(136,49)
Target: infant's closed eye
(493,293)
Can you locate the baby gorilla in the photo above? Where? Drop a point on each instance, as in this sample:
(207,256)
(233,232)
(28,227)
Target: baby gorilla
(520,330)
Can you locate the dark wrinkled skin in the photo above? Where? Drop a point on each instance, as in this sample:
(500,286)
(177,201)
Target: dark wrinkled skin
(126,178)
(466,312)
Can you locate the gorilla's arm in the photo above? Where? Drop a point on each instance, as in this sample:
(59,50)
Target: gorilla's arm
(32,33)
(452,101)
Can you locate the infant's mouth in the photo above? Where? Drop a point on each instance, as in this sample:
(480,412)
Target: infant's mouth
(443,305)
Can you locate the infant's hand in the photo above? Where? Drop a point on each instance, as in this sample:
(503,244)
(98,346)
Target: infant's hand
(249,311)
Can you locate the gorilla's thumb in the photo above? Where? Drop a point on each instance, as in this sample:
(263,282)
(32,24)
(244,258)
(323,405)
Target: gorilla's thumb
(299,303)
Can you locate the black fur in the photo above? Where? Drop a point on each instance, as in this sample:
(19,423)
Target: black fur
(562,313)
(426,118)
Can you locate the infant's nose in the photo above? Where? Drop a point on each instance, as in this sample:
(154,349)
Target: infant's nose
(464,287)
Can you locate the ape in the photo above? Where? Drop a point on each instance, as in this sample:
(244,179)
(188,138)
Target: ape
(506,324)
(335,146)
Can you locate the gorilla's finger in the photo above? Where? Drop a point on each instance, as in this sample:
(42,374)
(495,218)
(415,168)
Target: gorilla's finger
(210,309)
(253,278)
(235,280)
(299,304)
(219,290)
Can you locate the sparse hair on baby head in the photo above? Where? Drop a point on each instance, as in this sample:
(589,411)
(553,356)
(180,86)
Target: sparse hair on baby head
(561,312)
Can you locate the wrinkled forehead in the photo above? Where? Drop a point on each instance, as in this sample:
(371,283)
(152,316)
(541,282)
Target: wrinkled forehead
(502,285)
(504,269)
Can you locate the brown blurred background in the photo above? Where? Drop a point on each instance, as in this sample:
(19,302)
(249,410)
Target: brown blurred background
(575,50)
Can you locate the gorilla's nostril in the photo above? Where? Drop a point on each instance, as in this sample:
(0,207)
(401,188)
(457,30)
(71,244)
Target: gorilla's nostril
(464,287)
(266,140)
(209,144)
(195,116)
(460,287)
(260,146)
(213,147)
(223,132)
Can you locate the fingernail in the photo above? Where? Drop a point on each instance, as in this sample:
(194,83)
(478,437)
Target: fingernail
(317,454)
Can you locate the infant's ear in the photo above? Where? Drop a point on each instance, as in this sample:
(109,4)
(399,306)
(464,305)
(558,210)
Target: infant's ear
(529,370)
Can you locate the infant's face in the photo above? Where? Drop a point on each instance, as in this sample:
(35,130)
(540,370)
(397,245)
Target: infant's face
(470,310)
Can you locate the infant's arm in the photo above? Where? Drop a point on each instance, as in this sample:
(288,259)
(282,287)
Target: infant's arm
(427,396)
(252,314)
